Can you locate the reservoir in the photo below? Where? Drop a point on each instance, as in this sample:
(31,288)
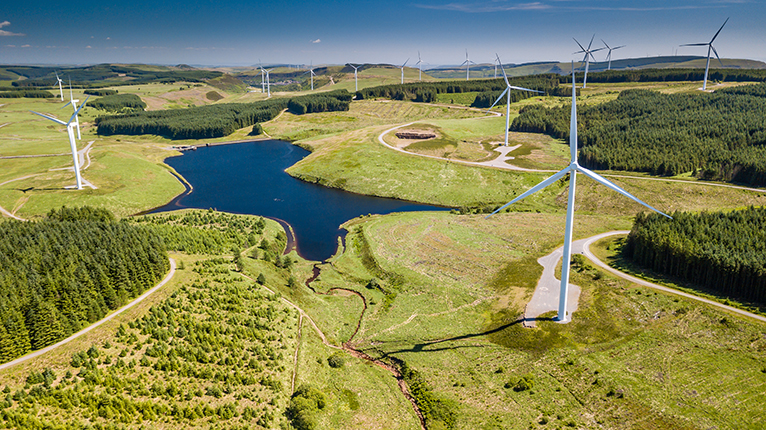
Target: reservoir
(249,178)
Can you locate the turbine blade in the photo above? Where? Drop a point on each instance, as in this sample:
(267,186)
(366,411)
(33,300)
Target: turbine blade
(603,181)
(500,63)
(578,44)
(591,41)
(49,117)
(534,189)
(716,55)
(719,30)
(67,104)
(606,44)
(621,46)
(498,99)
(695,44)
(74,115)
(405,63)
(525,89)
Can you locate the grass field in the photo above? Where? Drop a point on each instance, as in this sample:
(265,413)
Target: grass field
(647,362)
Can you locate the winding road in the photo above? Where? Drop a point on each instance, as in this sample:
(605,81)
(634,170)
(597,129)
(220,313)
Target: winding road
(546,295)
(109,317)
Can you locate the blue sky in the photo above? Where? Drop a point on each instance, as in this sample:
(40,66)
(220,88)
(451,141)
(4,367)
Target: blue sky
(239,32)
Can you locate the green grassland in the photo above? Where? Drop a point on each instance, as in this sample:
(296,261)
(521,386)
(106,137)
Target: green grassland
(449,288)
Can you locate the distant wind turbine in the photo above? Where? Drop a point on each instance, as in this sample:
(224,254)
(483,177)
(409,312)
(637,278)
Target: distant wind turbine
(508,89)
(405,63)
(467,63)
(263,75)
(609,55)
(268,82)
(61,90)
(420,67)
(74,102)
(72,144)
(572,170)
(311,72)
(588,55)
(709,48)
(496,61)
(356,87)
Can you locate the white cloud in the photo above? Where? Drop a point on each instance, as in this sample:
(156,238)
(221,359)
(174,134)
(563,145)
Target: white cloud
(316,41)
(88,47)
(8,33)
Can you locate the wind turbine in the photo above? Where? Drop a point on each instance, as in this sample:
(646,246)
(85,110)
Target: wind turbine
(508,89)
(268,82)
(572,170)
(609,55)
(420,67)
(588,55)
(61,90)
(356,87)
(496,61)
(74,102)
(263,83)
(467,63)
(72,144)
(709,48)
(405,63)
(311,71)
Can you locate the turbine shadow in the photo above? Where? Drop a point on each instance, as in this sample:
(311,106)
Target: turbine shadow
(421,347)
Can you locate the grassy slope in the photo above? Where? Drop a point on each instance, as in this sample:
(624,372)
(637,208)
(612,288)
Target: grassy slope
(466,281)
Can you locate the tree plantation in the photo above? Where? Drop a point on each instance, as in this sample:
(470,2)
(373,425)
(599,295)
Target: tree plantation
(67,271)
(721,251)
(217,120)
(718,136)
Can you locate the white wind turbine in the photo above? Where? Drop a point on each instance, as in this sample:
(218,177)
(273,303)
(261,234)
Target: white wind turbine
(405,63)
(508,89)
(268,82)
(263,82)
(420,67)
(356,87)
(709,48)
(311,72)
(74,102)
(467,63)
(61,90)
(609,55)
(572,170)
(72,144)
(588,55)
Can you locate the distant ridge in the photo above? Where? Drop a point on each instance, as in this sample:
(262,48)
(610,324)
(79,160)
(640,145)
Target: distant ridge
(660,62)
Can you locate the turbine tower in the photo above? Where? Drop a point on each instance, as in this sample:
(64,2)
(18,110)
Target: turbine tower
(709,48)
(609,55)
(356,87)
(74,102)
(72,144)
(588,55)
(61,90)
(268,82)
(572,170)
(311,72)
(508,89)
(420,67)
(263,82)
(467,63)
(405,63)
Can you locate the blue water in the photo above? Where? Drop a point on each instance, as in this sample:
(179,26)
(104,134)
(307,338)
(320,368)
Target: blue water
(249,178)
